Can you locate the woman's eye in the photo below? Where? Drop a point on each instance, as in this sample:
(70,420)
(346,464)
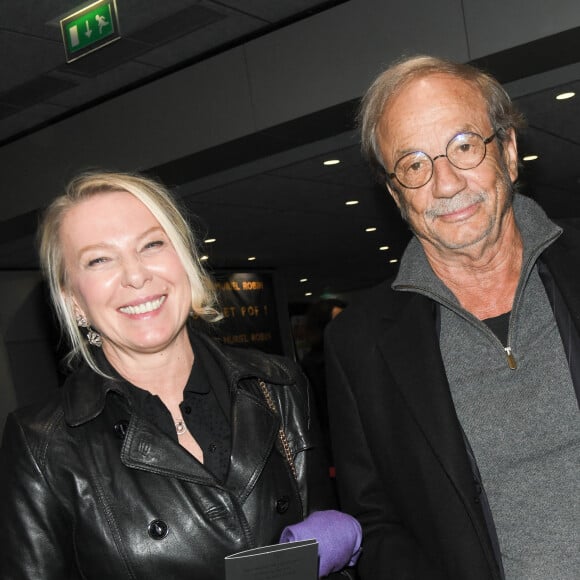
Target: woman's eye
(97,261)
(154,244)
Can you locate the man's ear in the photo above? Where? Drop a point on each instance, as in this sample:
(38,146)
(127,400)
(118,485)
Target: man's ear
(510,152)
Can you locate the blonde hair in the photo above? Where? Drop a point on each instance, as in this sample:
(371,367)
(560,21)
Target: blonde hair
(163,207)
(503,114)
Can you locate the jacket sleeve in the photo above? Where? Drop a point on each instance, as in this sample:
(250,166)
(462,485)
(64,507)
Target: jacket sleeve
(34,546)
(388,549)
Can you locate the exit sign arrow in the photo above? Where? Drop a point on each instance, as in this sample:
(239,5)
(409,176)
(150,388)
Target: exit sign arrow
(89,29)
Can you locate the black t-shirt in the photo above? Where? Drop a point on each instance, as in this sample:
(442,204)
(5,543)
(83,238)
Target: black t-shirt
(499,325)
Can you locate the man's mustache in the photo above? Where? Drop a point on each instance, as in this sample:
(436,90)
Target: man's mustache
(455,203)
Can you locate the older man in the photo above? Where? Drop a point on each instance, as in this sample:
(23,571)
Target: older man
(454,387)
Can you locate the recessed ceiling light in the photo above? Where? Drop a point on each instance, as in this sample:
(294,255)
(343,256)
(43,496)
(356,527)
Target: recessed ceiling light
(303,279)
(383,248)
(352,202)
(530,157)
(564,96)
(307,293)
(393,261)
(203,258)
(371,230)
(331,162)
(251,258)
(209,241)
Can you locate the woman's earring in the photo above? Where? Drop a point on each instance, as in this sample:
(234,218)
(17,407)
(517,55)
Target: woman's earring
(82,321)
(93,337)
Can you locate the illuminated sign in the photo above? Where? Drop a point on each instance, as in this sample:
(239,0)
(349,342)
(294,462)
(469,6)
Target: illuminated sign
(89,29)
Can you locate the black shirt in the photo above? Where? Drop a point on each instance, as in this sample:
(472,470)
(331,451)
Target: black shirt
(205,410)
(499,325)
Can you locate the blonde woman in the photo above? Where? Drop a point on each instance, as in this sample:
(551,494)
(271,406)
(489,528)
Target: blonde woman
(165,451)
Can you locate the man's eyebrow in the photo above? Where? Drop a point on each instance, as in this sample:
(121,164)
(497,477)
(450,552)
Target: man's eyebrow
(468,128)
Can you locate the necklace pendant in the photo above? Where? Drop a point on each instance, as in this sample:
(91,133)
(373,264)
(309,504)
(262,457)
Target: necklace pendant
(180,427)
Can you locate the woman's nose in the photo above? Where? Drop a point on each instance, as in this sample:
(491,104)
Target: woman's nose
(135,274)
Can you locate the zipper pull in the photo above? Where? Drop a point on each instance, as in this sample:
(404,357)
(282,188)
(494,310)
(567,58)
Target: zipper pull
(511,358)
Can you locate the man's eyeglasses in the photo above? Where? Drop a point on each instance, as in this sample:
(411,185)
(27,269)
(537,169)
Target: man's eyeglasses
(464,151)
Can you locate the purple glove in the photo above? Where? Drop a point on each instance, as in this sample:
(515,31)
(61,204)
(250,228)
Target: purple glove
(339,537)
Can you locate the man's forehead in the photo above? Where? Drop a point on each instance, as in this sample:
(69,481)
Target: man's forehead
(432,90)
(436,103)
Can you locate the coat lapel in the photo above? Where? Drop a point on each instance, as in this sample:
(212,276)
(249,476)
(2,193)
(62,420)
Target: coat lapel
(149,449)
(563,260)
(410,348)
(145,447)
(254,432)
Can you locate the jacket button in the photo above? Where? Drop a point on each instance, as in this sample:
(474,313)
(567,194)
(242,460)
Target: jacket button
(158,529)
(283,504)
(121,428)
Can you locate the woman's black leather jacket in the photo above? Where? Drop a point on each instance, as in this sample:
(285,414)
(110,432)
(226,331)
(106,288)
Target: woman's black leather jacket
(89,489)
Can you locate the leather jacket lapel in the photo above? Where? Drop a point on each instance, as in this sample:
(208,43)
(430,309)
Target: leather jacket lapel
(149,449)
(254,431)
(254,426)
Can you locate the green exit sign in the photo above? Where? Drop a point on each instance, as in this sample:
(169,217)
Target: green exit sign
(89,28)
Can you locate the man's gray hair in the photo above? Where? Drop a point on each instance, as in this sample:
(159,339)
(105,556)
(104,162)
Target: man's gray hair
(502,112)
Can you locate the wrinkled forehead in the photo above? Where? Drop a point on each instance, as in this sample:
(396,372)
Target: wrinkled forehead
(430,108)
(425,94)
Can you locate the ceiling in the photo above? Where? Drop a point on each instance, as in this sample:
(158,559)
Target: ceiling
(157,37)
(284,207)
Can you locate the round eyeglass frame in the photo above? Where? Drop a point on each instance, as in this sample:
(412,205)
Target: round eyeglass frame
(433,159)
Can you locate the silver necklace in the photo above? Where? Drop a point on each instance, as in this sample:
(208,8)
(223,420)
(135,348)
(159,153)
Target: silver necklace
(180,427)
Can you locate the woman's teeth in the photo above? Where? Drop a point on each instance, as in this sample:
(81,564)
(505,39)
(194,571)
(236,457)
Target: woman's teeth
(143,308)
